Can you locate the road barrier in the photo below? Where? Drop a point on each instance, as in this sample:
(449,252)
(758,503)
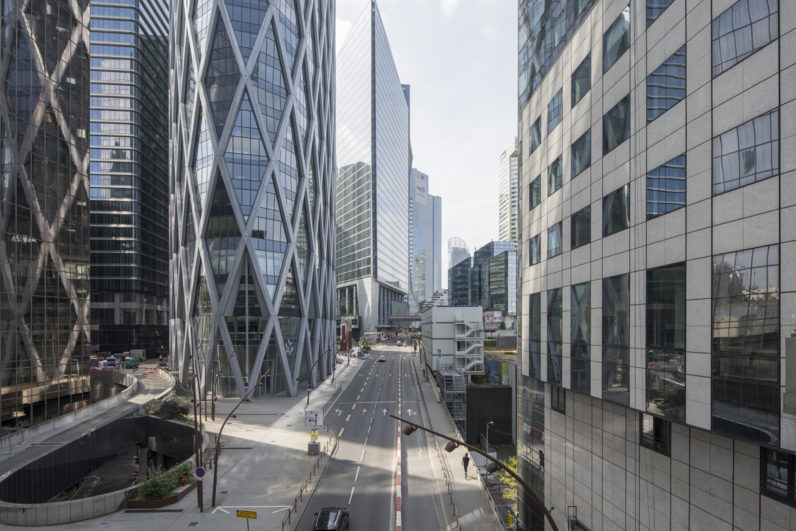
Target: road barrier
(329,448)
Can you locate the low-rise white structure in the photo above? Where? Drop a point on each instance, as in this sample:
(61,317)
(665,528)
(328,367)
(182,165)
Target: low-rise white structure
(453,339)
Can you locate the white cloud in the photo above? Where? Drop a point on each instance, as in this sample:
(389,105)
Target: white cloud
(448,6)
(488,30)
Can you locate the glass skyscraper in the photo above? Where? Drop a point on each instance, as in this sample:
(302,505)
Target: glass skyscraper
(129,175)
(425,239)
(252,139)
(44,225)
(508,193)
(373,159)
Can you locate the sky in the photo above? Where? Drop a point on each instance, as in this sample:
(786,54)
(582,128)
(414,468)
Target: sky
(460,58)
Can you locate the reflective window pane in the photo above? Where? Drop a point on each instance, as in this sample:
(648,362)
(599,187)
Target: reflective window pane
(555,325)
(558,400)
(746,372)
(655,8)
(536,192)
(616,211)
(581,154)
(580,230)
(554,241)
(616,40)
(536,249)
(777,474)
(535,335)
(616,339)
(741,30)
(581,80)
(554,111)
(616,125)
(747,154)
(666,85)
(656,434)
(580,337)
(536,135)
(666,188)
(554,175)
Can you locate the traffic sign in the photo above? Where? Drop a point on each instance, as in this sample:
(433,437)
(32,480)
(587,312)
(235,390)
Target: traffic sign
(200,472)
(251,515)
(314,435)
(309,387)
(313,418)
(135,473)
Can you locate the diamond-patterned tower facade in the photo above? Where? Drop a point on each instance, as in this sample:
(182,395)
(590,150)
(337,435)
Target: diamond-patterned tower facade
(44,224)
(252,178)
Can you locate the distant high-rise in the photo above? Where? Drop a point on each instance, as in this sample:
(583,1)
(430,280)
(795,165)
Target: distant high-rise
(508,193)
(425,255)
(44,213)
(252,181)
(129,176)
(457,251)
(373,178)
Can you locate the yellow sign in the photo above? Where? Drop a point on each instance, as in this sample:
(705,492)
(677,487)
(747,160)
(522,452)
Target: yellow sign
(251,515)
(314,435)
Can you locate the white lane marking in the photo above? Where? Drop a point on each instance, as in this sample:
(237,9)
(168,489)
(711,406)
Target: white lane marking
(366,442)
(352,495)
(368,429)
(362,455)
(357,476)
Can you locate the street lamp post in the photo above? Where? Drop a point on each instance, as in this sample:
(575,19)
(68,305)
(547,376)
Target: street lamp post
(213,389)
(218,437)
(491,468)
(488,424)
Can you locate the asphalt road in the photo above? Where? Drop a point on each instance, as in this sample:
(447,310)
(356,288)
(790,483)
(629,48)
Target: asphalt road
(361,476)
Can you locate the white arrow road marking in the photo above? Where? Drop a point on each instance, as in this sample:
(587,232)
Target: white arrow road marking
(384,413)
(339,412)
(410,412)
(364,411)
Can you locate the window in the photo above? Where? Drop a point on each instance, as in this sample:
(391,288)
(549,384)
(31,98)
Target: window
(746,344)
(554,111)
(665,371)
(554,177)
(666,188)
(554,239)
(558,400)
(536,192)
(616,211)
(656,434)
(581,154)
(580,230)
(616,339)
(616,125)
(616,40)
(536,135)
(581,80)
(747,154)
(666,85)
(743,29)
(535,336)
(555,327)
(778,475)
(655,8)
(536,249)
(580,337)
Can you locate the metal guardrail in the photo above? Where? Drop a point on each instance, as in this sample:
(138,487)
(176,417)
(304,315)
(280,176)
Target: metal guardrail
(328,449)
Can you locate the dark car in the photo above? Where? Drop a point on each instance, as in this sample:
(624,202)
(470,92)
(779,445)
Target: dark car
(382,358)
(331,519)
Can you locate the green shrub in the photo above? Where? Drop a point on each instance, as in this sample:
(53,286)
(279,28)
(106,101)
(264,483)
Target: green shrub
(161,483)
(490,342)
(174,408)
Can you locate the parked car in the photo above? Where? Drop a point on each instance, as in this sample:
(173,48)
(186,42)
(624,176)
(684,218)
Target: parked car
(332,519)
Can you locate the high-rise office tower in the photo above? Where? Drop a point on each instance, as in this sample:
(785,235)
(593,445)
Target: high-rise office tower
(44,226)
(252,183)
(425,255)
(656,387)
(457,251)
(508,193)
(372,200)
(129,176)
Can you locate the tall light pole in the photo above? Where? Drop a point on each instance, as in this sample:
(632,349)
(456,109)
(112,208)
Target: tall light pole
(213,389)
(492,467)
(309,386)
(488,424)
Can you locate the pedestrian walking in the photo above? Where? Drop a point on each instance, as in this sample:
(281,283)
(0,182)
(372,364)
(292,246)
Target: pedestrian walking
(466,463)
(161,358)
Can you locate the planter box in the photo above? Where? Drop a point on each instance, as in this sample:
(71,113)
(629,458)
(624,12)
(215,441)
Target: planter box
(157,504)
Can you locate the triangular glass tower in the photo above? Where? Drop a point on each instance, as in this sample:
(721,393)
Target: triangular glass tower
(252,224)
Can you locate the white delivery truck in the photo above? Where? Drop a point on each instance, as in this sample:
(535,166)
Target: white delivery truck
(138,353)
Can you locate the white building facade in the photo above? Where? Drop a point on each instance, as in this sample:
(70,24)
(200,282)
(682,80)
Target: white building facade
(508,193)
(453,339)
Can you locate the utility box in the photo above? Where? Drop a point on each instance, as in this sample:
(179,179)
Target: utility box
(313,448)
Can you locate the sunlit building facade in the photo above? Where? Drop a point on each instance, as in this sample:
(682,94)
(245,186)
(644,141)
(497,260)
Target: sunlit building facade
(425,241)
(508,193)
(252,184)
(655,388)
(373,178)
(44,221)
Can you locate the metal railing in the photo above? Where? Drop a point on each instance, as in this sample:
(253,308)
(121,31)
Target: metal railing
(328,449)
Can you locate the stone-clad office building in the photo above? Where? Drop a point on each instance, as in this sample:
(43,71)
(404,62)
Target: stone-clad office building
(658,280)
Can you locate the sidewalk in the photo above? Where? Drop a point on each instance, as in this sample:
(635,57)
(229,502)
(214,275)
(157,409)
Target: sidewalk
(475,511)
(262,465)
